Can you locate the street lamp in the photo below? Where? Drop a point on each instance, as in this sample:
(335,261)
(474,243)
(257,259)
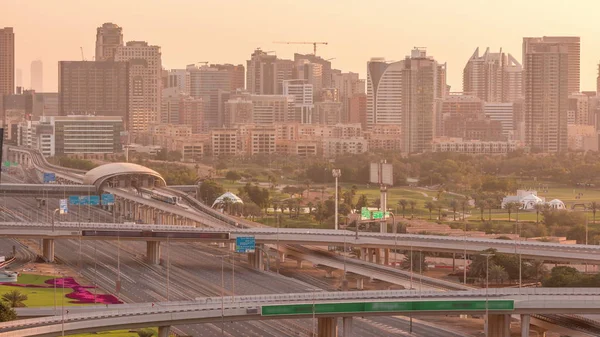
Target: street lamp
(487,282)
(314,326)
(53,215)
(222,292)
(336,174)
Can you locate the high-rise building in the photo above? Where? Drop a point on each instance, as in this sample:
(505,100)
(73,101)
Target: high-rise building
(93,88)
(206,83)
(384,92)
(145,85)
(237,75)
(347,85)
(419,98)
(357,109)
(37,76)
(325,68)
(453,113)
(19,78)
(169,110)
(191,113)
(572,46)
(265,73)
(328,113)
(109,37)
(578,111)
(46,104)
(493,77)
(238,110)
(311,72)
(546,97)
(178,78)
(303,99)
(503,113)
(269,109)
(7,61)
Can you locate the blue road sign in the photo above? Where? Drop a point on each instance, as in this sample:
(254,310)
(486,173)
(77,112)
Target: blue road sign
(108,199)
(74,200)
(49,177)
(64,208)
(245,244)
(93,200)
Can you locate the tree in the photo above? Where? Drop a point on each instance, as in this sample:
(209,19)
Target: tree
(416,260)
(439,207)
(538,208)
(6,312)
(510,207)
(412,207)
(490,203)
(535,269)
(465,203)
(402,203)
(15,298)
(454,205)
(233,176)
(594,206)
(498,274)
(430,206)
(477,268)
(363,201)
(563,276)
(481,204)
(307,183)
(145,333)
(210,190)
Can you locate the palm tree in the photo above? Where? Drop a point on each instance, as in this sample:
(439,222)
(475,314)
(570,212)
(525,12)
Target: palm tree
(465,203)
(412,204)
(145,333)
(430,206)
(402,203)
(509,206)
(594,206)
(227,202)
(454,205)
(481,204)
(15,298)
(498,273)
(490,204)
(307,183)
(310,207)
(439,207)
(538,208)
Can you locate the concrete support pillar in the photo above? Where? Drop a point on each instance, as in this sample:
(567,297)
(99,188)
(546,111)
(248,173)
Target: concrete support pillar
(347,326)
(282,257)
(525,321)
(164,331)
(153,252)
(327,327)
(363,254)
(386,256)
(360,284)
(299,264)
(48,249)
(499,325)
(256,259)
(370,254)
(377,255)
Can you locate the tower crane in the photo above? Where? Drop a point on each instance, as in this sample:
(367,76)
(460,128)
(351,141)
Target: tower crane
(82,57)
(203,62)
(313,43)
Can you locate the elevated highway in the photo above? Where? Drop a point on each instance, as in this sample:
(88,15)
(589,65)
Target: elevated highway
(324,307)
(266,235)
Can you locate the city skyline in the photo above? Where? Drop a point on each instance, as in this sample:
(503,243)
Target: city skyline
(234,36)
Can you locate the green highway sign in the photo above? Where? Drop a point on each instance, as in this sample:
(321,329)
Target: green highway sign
(365,214)
(358,307)
(378,215)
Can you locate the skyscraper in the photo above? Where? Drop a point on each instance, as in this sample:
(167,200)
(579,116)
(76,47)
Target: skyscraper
(572,46)
(237,75)
(325,67)
(384,92)
(303,99)
(347,84)
(7,61)
(93,87)
(206,83)
(265,73)
(546,96)
(109,37)
(145,85)
(37,76)
(419,99)
(493,77)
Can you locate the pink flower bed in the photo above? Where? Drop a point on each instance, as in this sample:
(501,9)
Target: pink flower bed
(79,295)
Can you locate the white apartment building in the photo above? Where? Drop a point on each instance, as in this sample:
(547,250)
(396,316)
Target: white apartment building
(145,83)
(333,147)
(303,99)
(504,113)
(446,144)
(384,92)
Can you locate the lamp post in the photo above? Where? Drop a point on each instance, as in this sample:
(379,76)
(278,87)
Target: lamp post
(336,174)
(487,282)
(314,325)
(465,255)
(53,215)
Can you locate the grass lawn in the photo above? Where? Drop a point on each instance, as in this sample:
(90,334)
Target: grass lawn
(38,297)
(118,333)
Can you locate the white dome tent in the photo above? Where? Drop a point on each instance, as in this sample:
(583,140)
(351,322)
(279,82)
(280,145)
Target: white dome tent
(557,204)
(528,202)
(220,201)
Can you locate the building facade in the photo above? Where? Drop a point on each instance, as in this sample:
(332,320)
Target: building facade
(37,76)
(546,97)
(572,47)
(145,83)
(109,37)
(93,87)
(7,61)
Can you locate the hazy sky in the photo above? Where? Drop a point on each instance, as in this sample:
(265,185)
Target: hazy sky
(227,31)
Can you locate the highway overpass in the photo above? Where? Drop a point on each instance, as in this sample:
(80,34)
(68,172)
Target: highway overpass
(326,308)
(314,237)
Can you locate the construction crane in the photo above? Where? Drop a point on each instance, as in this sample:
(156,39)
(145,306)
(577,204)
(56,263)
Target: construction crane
(204,62)
(313,43)
(82,57)
(333,58)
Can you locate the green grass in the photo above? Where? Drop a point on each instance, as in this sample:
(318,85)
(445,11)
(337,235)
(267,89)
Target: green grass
(38,297)
(117,333)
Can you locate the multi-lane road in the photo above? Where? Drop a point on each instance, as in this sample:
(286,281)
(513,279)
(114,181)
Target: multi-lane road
(194,270)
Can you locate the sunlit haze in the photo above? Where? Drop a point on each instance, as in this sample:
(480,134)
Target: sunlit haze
(227,31)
